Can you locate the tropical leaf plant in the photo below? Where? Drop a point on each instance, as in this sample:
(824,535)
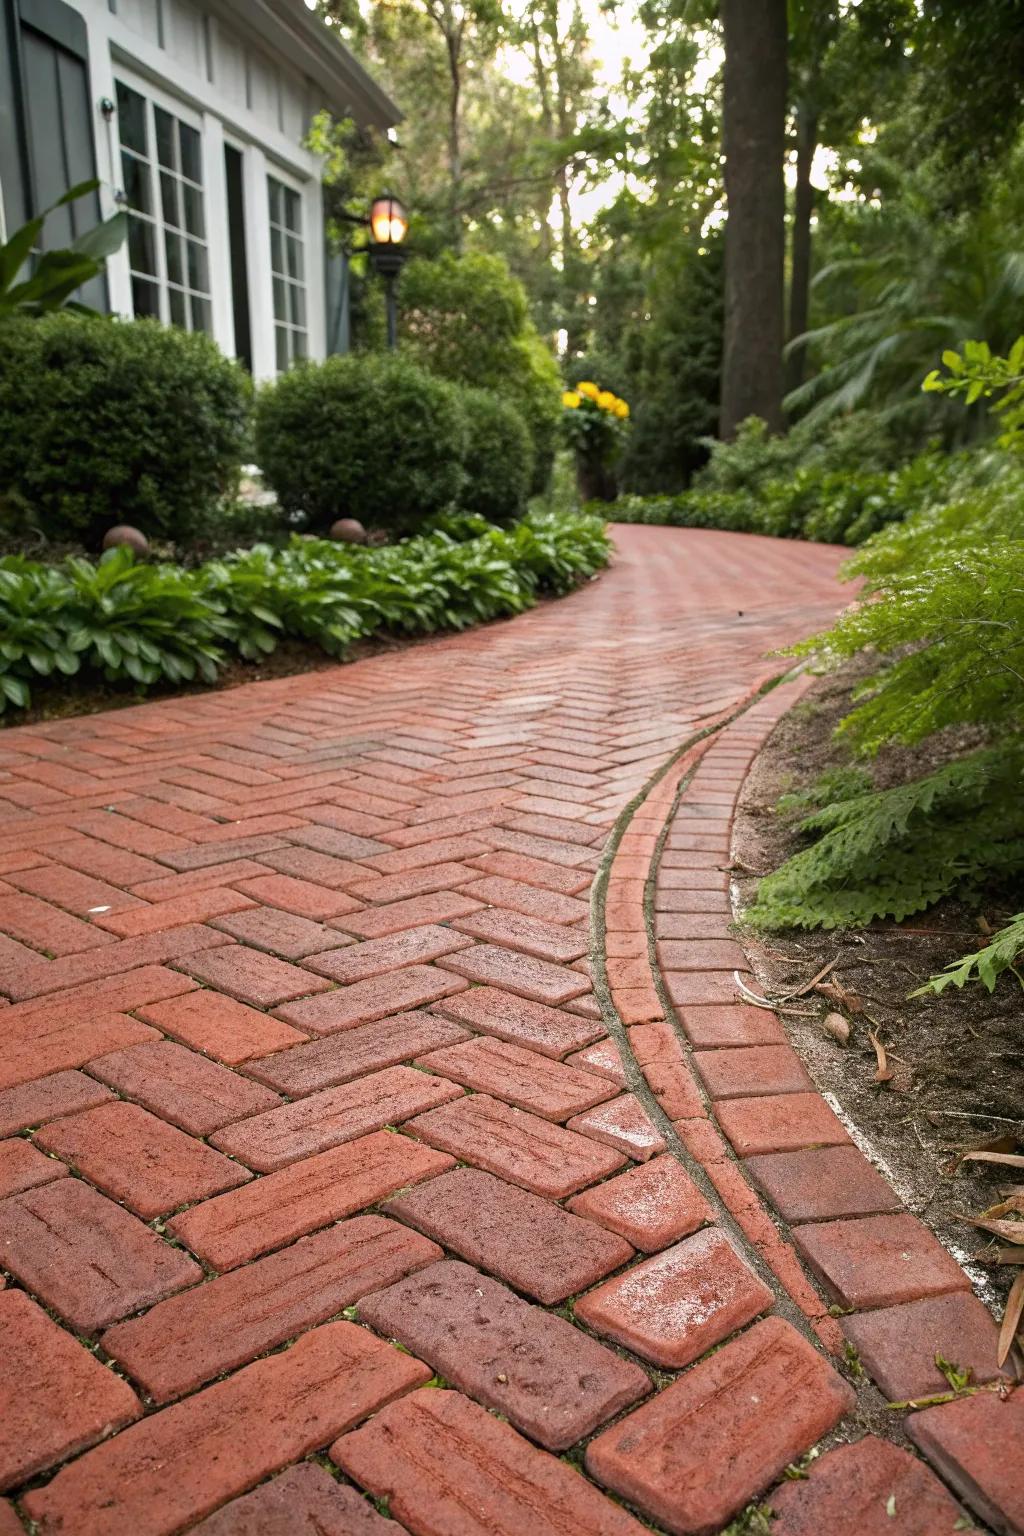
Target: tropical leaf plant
(55,275)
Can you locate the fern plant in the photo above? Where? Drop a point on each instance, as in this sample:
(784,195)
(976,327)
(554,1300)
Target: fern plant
(893,852)
(987,965)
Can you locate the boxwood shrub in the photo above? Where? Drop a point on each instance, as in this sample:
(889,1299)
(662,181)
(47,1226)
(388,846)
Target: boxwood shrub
(371,437)
(499,457)
(106,421)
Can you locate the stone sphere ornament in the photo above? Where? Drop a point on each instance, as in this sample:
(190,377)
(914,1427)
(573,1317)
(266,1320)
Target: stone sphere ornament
(125,534)
(347,530)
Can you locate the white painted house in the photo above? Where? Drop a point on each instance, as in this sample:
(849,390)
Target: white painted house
(193,114)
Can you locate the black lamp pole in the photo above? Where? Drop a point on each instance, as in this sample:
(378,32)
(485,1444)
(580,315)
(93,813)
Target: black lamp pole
(389,224)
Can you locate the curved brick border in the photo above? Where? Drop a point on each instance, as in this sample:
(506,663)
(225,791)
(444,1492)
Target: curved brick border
(817,1219)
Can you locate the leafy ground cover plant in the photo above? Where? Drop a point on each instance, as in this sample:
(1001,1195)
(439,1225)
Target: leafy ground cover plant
(145,624)
(945,618)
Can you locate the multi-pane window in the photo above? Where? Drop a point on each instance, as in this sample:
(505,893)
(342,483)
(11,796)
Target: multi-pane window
(286,262)
(161,163)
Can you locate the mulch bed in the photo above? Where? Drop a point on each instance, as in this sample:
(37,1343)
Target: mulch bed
(957,1060)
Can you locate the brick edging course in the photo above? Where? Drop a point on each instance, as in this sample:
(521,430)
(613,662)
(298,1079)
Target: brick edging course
(871,1284)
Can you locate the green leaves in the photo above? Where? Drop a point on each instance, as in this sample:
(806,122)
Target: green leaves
(150,624)
(56,274)
(986,966)
(893,852)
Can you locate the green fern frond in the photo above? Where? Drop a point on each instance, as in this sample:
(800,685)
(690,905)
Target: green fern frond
(986,966)
(894,852)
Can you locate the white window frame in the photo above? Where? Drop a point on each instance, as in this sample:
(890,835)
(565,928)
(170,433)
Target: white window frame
(154,98)
(299,191)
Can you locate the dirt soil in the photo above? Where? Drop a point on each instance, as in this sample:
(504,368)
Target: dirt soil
(957,1060)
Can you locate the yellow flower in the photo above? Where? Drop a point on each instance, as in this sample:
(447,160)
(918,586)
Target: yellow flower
(591,391)
(571,399)
(606,400)
(621,409)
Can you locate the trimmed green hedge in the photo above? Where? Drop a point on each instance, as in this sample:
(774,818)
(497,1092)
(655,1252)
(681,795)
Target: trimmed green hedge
(828,506)
(372,437)
(105,422)
(499,457)
(144,624)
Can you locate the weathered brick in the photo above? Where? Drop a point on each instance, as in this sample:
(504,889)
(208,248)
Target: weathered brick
(520,1077)
(736,1074)
(23,1167)
(136,1158)
(517,1019)
(529,871)
(190,1339)
(446,1465)
(354,1052)
(87,1257)
(220,1026)
(898,1345)
(624,1124)
(708,1444)
(48,928)
(251,976)
(199,855)
(730,1024)
(786,1122)
(531,1152)
(337,842)
(55,1045)
(867,1489)
(167,887)
(602,1058)
(280,933)
(674,1307)
(304,1501)
(435,907)
(701,955)
(55,1396)
(50,977)
(320,869)
(47,1098)
(822,1183)
(70,889)
(874,1260)
(375,957)
(365,1001)
(275,1210)
(977,1444)
(689,989)
(650,1206)
(513,930)
(166,1472)
(196,907)
(533,901)
(181,1086)
(280,1136)
(534,1245)
(302,897)
(555,1383)
(537,980)
(382,889)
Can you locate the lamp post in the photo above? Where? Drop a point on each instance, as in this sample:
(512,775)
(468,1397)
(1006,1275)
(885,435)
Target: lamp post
(389,224)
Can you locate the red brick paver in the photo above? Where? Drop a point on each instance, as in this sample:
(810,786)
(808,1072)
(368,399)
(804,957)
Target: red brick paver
(273,959)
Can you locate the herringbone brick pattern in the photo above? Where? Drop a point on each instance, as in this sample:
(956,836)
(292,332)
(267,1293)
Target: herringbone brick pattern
(314,1047)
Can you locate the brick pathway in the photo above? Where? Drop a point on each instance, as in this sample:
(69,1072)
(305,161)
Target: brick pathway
(321,1036)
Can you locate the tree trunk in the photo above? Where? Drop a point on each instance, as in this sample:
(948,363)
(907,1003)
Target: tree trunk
(800,255)
(454,45)
(754,124)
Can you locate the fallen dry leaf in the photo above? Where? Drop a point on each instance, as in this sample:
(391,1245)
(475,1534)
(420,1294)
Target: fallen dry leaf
(1011,1319)
(1008,1256)
(837,993)
(1012,1231)
(1010,1159)
(882,1072)
(1013,1204)
(839,1028)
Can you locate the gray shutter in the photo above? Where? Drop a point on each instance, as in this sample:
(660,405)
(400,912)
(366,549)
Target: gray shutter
(58,118)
